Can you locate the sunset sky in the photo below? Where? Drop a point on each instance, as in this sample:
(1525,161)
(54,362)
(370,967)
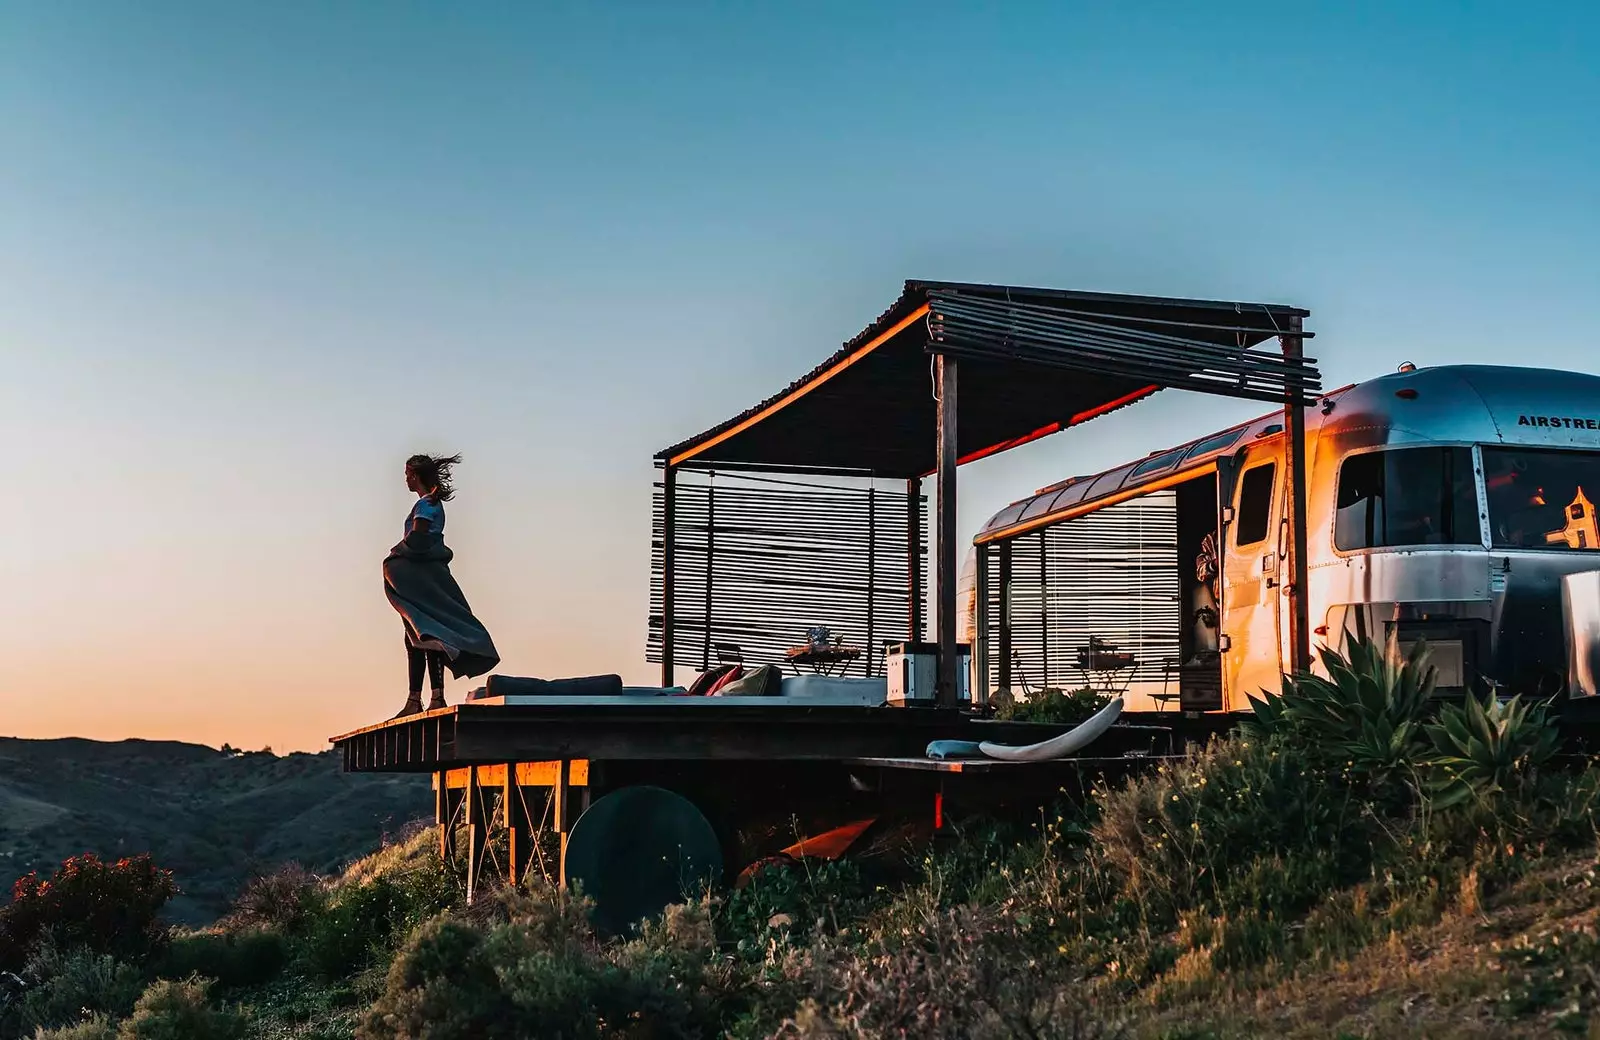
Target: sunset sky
(252,256)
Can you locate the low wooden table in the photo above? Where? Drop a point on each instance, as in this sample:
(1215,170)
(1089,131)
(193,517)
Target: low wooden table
(822,660)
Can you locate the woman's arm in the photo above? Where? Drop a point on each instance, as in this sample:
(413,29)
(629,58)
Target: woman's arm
(417,539)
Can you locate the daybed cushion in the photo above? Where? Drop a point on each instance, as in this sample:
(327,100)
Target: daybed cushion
(586,686)
(707,681)
(763,682)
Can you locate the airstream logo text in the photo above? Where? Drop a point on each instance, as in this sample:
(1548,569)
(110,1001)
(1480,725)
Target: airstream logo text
(1559,422)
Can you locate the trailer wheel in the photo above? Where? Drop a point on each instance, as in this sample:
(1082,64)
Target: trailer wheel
(639,849)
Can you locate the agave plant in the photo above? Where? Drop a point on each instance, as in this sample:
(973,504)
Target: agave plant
(1366,712)
(1482,748)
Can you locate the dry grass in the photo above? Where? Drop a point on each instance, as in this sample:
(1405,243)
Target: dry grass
(1441,981)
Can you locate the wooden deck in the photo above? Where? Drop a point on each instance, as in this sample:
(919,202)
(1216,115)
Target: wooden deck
(661,730)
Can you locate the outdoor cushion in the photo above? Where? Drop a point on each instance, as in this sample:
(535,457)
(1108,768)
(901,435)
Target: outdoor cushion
(765,681)
(707,680)
(586,686)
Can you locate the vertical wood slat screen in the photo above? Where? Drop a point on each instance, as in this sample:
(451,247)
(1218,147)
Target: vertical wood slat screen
(1112,574)
(759,560)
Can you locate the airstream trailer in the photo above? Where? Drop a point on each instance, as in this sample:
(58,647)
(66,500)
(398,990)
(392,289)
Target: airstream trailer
(1449,503)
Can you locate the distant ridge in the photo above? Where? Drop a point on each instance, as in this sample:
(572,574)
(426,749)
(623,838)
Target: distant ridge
(212,817)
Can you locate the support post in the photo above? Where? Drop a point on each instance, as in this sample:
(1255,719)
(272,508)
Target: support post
(668,575)
(711,554)
(1044,611)
(477,833)
(872,572)
(444,813)
(517,847)
(1294,416)
(980,627)
(561,805)
(914,557)
(1005,616)
(945,696)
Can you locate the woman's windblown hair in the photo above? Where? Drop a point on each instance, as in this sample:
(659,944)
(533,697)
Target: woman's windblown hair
(434,472)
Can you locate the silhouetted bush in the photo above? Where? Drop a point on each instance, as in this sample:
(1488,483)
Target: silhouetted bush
(171,1010)
(280,899)
(103,907)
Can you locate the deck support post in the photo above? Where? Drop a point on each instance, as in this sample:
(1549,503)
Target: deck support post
(516,817)
(669,480)
(477,832)
(444,814)
(1294,416)
(561,809)
(946,568)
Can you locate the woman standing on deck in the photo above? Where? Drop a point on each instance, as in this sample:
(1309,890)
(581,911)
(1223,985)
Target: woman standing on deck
(440,628)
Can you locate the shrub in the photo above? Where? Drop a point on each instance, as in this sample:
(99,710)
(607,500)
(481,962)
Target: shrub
(539,970)
(231,959)
(958,973)
(1241,807)
(442,986)
(1364,718)
(1053,705)
(792,901)
(104,907)
(1488,748)
(360,924)
(281,899)
(98,1027)
(171,1010)
(68,986)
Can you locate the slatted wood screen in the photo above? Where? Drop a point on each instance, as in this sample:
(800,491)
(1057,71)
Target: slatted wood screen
(759,560)
(1112,574)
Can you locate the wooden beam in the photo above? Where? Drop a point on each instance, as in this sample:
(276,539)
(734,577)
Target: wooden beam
(947,566)
(529,774)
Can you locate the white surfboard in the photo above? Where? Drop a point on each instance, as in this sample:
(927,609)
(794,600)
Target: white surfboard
(1073,740)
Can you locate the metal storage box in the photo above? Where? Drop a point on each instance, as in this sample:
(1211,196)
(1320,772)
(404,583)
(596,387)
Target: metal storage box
(913,673)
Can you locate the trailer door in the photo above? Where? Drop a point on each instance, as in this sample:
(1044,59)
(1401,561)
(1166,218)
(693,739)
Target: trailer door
(1251,658)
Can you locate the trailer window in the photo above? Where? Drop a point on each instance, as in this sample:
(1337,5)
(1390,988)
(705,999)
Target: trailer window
(1541,499)
(1255,505)
(1407,496)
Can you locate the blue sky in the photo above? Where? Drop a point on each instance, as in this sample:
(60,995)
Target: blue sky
(252,256)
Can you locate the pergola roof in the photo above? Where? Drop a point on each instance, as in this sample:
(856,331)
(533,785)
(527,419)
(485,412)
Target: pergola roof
(1033,362)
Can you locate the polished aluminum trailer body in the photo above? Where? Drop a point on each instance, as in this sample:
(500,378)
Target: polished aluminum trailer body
(1472,504)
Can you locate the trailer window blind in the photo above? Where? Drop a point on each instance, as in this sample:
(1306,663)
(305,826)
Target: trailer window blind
(757,561)
(1111,575)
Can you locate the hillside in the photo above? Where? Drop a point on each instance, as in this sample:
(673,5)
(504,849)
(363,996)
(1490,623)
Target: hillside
(213,818)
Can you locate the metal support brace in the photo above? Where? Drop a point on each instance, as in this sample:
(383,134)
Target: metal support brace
(1294,415)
